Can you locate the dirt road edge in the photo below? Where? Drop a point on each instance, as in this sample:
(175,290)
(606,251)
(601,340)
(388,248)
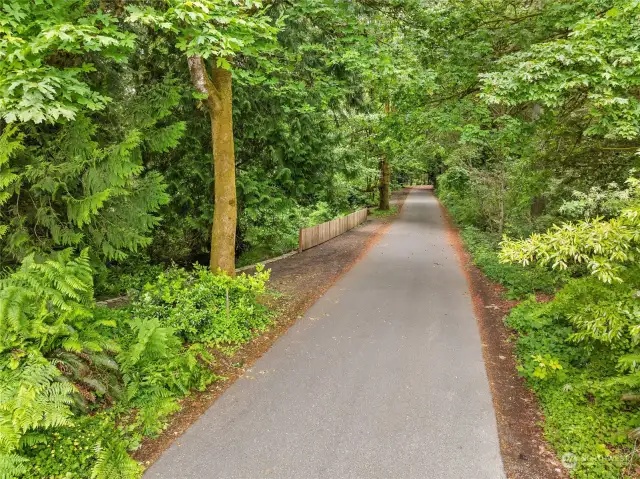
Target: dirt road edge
(525,453)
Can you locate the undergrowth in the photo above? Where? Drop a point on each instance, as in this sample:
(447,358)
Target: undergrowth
(378,213)
(518,280)
(579,389)
(577,351)
(83,385)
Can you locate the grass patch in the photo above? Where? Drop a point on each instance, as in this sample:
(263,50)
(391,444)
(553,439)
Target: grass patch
(378,213)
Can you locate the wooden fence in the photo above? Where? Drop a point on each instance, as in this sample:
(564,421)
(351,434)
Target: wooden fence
(315,235)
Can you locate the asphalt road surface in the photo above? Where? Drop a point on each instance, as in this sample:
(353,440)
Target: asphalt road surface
(382,378)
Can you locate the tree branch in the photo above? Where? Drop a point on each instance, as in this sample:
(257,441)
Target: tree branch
(201,81)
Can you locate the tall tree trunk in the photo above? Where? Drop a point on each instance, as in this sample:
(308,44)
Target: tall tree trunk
(385,179)
(223,237)
(385,173)
(501,221)
(219,104)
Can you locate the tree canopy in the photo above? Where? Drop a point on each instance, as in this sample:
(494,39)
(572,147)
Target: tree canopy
(138,134)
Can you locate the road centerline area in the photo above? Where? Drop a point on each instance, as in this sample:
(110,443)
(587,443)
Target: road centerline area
(382,378)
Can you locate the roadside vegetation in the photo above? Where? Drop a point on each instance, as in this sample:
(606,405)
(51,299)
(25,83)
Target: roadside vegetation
(83,385)
(150,148)
(543,184)
(378,213)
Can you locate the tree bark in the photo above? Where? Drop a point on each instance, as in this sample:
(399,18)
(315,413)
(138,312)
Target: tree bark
(385,173)
(385,180)
(218,89)
(225,213)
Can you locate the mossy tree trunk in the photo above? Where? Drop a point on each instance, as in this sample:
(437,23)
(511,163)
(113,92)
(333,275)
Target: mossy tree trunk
(218,88)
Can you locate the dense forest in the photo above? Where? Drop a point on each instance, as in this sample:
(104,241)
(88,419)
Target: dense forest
(151,147)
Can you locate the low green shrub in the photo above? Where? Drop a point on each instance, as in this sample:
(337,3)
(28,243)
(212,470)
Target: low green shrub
(218,309)
(518,280)
(589,334)
(81,385)
(578,385)
(120,279)
(88,445)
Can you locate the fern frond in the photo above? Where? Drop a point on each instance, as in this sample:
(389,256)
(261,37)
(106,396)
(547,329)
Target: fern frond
(114,463)
(164,139)
(10,143)
(12,466)
(80,211)
(32,399)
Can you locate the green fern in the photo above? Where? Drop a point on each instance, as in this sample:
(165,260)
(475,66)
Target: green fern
(114,463)
(158,370)
(41,298)
(12,465)
(10,144)
(152,342)
(164,139)
(32,398)
(95,376)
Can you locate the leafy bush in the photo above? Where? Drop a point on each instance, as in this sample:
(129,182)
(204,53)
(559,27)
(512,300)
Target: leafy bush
(597,202)
(88,445)
(579,389)
(61,358)
(218,309)
(591,330)
(519,280)
(132,275)
(454,187)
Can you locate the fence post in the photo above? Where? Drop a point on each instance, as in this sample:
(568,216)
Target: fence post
(300,241)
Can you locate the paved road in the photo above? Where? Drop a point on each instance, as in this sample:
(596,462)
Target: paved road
(383,378)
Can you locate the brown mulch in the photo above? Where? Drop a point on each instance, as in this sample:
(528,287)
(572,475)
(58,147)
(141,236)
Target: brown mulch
(525,453)
(299,281)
